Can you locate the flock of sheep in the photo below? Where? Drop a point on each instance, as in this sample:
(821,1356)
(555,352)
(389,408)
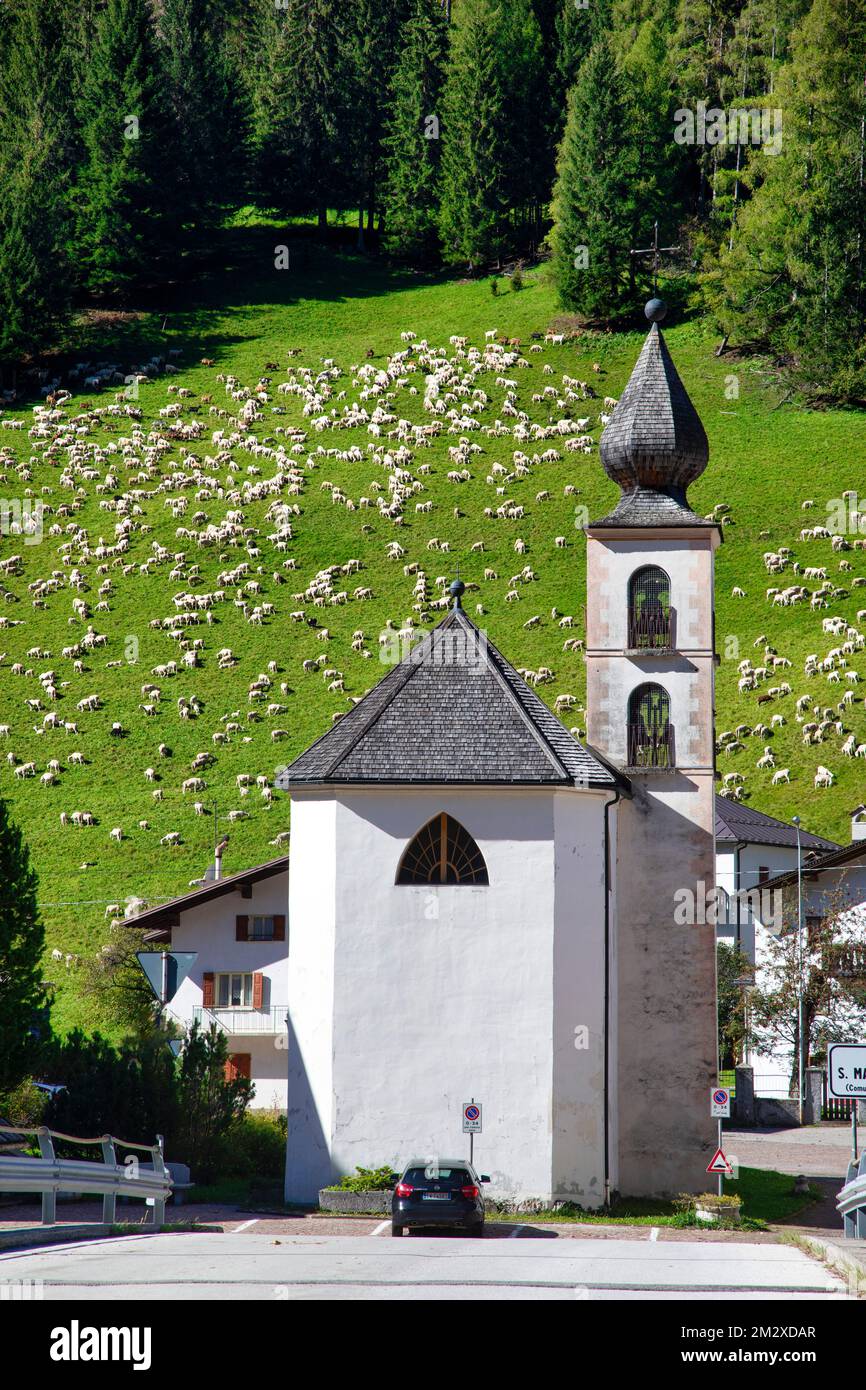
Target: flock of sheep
(231,467)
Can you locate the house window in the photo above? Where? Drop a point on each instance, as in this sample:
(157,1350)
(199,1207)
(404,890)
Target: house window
(260,928)
(234,991)
(649,610)
(650,735)
(442,852)
(763,873)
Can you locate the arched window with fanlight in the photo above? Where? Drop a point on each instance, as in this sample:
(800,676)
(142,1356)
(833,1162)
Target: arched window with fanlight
(650,735)
(649,610)
(442,852)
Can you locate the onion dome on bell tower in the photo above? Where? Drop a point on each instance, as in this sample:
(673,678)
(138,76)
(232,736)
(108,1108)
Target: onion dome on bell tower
(655,444)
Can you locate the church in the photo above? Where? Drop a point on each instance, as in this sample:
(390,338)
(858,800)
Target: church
(482,908)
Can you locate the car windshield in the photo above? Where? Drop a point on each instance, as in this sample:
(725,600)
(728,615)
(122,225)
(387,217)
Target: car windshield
(418,1176)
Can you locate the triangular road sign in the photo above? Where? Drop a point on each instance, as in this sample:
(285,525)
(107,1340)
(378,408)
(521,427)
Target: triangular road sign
(166,970)
(719,1164)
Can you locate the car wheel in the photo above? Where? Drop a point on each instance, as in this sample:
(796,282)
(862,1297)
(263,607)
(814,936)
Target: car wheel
(396,1230)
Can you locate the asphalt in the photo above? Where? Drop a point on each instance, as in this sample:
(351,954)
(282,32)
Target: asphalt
(199,1266)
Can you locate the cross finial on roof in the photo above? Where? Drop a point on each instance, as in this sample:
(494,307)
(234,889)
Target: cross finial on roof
(655,251)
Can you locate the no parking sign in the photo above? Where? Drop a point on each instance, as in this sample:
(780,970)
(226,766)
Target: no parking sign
(472,1117)
(720,1103)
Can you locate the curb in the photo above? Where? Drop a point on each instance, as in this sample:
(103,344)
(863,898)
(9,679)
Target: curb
(849,1262)
(31,1237)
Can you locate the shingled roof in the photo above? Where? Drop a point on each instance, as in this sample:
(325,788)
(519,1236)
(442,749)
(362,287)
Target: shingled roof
(738,822)
(453,711)
(655,444)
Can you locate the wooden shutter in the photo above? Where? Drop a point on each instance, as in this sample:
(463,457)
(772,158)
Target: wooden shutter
(207,990)
(238,1064)
(242,928)
(258,990)
(279,928)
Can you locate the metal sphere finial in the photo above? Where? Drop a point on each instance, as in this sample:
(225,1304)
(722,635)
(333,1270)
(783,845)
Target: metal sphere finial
(655,309)
(457,590)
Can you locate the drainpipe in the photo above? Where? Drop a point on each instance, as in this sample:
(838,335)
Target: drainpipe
(607,876)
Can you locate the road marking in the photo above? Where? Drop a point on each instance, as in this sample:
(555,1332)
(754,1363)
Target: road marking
(654,1233)
(382,1226)
(515,1232)
(245,1226)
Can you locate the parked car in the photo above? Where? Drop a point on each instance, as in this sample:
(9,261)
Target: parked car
(445,1193)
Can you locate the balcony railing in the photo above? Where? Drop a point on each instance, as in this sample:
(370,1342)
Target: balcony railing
(244,1021)
(649,631)
(650,747)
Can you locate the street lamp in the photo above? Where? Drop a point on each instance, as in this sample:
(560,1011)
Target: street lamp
(800,1077)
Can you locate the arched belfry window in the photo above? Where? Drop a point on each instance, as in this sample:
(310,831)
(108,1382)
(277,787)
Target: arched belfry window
(442,852)
(650,736)
(649,610)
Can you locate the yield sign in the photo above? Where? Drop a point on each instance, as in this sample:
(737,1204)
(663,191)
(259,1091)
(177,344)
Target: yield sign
(166,970)
(719,1164)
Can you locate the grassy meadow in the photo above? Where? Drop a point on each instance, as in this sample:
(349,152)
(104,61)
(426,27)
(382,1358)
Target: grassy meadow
(768,455)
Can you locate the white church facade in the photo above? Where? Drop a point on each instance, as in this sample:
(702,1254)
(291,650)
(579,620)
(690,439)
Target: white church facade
(482,908)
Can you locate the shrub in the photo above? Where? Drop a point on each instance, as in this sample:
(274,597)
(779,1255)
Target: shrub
(25,1105)
(517,278)
(255,1147)
(367,1180)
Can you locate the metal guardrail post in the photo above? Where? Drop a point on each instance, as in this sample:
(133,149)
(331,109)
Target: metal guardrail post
(109,1199)
(49,1195)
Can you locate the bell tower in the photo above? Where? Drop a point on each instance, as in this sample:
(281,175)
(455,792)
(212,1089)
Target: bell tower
(650,678)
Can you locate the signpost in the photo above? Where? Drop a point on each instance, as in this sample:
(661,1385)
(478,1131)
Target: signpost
(472,1124)
(720,1109)
(846,1080)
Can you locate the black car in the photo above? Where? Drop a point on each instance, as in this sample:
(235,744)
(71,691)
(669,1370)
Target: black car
(444,1193)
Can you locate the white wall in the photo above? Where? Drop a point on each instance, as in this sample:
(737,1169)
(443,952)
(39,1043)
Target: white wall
(210,930)
(446,992)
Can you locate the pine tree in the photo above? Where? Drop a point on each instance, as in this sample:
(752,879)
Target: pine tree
(22,941)
(412,142)
(594,207)
(37,161)
(124,138)
(529,159)
(473,205)
(795,276)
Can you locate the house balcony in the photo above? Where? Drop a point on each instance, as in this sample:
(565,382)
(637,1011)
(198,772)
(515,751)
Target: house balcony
(244,1022)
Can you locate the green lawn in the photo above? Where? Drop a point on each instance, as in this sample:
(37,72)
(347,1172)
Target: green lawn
(766,458)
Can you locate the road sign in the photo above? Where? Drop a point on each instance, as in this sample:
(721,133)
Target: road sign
(166,970)
(846,1070)
(472,1117)
(720,1103)
(719,1164)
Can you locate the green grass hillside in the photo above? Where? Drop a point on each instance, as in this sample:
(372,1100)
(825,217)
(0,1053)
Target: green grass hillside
(767,457)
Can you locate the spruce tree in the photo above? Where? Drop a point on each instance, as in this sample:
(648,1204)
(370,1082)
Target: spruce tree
(412,143)
(22,941)
(475,137)
(594,206)
(38,151)
(301,128)
(201,153)
(124,138)
(794,279)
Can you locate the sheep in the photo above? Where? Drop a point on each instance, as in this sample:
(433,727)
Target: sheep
(116,834)
(823,777)
(783,775)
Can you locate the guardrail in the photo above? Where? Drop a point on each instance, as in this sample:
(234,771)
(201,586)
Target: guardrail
(852,1201)
(109,1179)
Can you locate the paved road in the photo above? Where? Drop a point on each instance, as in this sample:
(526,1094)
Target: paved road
(816,1150)
(260,1267)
